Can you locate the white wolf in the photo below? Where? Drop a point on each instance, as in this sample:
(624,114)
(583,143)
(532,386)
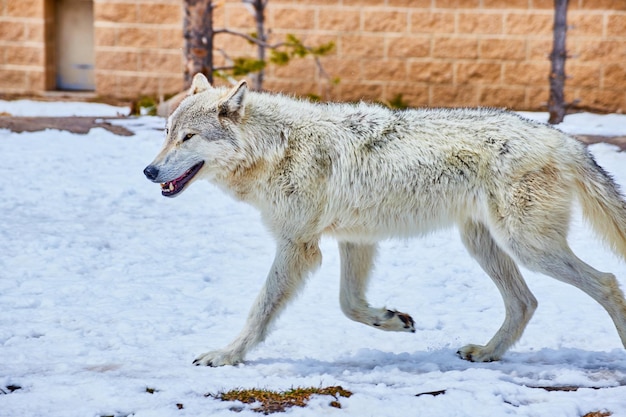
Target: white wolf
(362,173)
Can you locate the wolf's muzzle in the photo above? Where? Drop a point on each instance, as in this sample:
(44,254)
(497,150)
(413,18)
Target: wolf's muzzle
(151,172)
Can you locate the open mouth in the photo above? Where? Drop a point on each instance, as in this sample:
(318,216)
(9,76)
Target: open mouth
(171,188)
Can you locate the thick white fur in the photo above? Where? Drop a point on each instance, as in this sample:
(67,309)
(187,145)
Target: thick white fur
(362,173)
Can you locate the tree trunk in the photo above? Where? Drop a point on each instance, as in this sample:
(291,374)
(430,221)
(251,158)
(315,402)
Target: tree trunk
(259,17)
(198,34)
(556,102)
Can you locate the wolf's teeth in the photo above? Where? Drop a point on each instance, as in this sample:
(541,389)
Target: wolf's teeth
(171,186)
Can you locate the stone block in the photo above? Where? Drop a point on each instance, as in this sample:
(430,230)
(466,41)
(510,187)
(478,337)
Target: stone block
(505,97)
(529,24)
(160,13)
(411,94)
(117,60)
(431,72)
(384,70)
(502,49)
(408,46)
(457,4)
(138,37)
(454,95)
(455,47)
(12,31)
(614,75)
(293,18)
(370,46)
(357,91)
(24,55)
(478,73)
(481,23)
(535,73)
(432,22)
(385,21)
(616,25)
(24,8)
(115,12)
(339,20)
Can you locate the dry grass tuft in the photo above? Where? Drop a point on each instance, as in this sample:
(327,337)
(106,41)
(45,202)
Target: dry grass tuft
(278,401)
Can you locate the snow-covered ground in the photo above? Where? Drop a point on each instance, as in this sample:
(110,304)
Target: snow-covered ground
(107,289)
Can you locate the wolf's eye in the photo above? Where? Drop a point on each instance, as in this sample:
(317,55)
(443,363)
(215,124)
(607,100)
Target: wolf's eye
(188,136)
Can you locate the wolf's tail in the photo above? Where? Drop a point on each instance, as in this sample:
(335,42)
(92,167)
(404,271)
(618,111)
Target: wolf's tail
(602,204)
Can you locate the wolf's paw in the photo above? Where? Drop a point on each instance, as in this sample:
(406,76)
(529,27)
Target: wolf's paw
(396,321)
(477,353)
(218,358)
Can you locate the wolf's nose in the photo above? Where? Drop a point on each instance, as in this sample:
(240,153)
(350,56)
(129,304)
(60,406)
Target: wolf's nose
(151,172)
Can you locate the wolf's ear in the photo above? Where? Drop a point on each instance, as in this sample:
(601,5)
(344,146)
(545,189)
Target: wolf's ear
(233,104)
(199,84)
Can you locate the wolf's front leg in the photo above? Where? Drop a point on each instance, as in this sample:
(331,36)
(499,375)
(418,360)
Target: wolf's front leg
(293,261)
(356,264)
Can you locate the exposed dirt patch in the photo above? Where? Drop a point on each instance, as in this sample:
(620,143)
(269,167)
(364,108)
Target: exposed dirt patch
(81,125)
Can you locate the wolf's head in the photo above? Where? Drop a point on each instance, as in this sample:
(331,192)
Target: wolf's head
(201,139)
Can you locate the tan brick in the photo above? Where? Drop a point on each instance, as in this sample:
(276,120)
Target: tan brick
(24,55)
(584,24)
(454,96)
(504,49)
(106,83)
(417,4)
(138,37)
(104,36)
(527,73)
(238,17)
(296,68)
(171,38)
(344,69)
(293,18)
(24,8)
(12,31)
(340,20)
(456,48)
(432,22)
(583,74)
(431,72)
(362,46)
(115,12)
(528,24)
(138,85)
(483,23)
(537,98)
(457,4)
(385,21)
(160,61)
(411,94)
(605,50)
(616,25)
(362,2)
(604,4)
(602,100)
(549,4)
(36,80)
(171,84)
(117,60)
(159,13)
(12,80)
(408,47)
(356,91)
(384,70)
(478,73)
(319,2)
(507,97)
(35,31)
(506,4)
(614,75)
(540,49)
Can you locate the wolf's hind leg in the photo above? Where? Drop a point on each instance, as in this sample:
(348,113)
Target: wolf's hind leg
(519,302)
(356,264)
(557,260)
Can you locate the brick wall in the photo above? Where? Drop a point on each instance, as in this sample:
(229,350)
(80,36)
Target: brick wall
(433,52)
(450,52)
(22,46)
(138,46)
